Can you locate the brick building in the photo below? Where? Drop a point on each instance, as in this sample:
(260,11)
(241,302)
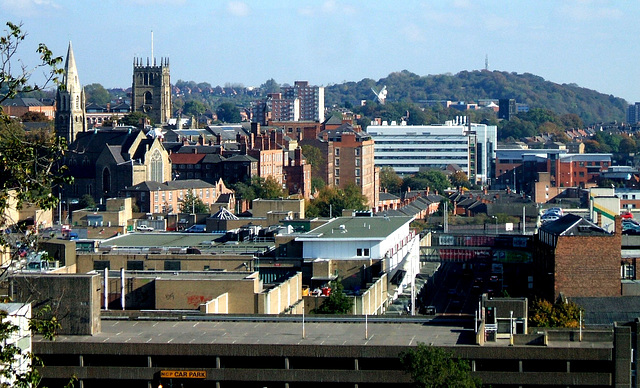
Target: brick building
(576,258)
(18,106)
(156,197)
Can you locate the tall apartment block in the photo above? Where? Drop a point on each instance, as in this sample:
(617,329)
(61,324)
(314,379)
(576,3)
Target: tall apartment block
(311,100)
(300,102)
(633,113)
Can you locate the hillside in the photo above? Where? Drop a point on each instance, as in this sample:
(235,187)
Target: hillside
(590,105)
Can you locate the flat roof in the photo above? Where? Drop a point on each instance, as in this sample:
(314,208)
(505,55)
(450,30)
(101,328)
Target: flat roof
(225,330)
(277,332)
(160,239)
(376,228)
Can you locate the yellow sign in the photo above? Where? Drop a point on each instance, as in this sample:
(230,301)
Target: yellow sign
(183,374)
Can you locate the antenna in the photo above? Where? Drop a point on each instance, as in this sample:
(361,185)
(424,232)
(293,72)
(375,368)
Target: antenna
(152,58)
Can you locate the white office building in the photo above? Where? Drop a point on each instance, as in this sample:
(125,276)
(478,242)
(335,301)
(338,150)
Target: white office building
(411,148)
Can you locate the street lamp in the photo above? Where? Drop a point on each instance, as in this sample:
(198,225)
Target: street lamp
(496,218)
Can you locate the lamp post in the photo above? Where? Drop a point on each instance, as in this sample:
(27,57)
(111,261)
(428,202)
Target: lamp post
(496,218)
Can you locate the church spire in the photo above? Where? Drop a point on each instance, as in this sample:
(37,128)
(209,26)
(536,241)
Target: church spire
(70,80)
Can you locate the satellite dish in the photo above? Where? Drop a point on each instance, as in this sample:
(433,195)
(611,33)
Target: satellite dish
(381,96)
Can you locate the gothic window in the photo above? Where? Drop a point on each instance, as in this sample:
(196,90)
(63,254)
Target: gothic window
(151,79)
(106,180)
(77,102)
(146,79)
(148,98)
(157,167)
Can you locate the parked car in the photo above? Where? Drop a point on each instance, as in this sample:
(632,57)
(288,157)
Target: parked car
(549,217)
(196,229)
(556,211)
(144,228)
(626,215)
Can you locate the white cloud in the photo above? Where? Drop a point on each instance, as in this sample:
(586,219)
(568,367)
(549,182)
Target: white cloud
(238,8)
(587,10)
(158,2)
(329,7)
(414,33)
(27,7)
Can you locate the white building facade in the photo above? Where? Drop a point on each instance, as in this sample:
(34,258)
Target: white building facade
(411,148)
(369,238)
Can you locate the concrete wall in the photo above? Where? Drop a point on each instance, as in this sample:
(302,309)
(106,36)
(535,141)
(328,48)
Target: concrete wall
(219,305)
(281,298)
(74,299)
(374,300)
(156,261)
(260,207)
(186,294)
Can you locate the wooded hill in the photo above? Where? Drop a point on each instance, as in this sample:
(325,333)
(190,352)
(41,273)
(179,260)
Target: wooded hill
(470,86)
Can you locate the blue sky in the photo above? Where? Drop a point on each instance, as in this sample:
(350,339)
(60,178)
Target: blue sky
(590,43)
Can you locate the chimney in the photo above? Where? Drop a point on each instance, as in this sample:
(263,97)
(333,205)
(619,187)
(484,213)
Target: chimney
(298,156)
(195,150)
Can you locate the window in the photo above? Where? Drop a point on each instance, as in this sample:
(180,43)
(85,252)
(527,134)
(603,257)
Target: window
(337,163)
(172,265)
(337,172)
(100,265)
(357,172)
(627,271)
(357,162)
(358,181)
(135,265)
(357,150)
(337,181)
(337,150)
(362,252)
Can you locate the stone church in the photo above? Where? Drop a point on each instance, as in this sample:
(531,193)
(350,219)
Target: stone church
(151,90)
(106,162)
(70,117)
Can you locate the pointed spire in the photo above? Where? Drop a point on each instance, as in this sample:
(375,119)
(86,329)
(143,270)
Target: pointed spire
(70,69)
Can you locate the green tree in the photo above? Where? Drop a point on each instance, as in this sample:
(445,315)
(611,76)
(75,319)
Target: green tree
(627,145)
(267,188)
(228,112)
(34,117)
(331,201)
(433,367)
(337,302)
(30,172)
(315,158)
(193,108)
(244,191)
(270,86)
(97,94)
(87,201)
(135,119)
(562,314)
(390,180)
(433,179)
(192,204)
(459,179)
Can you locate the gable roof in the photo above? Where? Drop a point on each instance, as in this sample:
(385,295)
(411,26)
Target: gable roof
(572,225)
(177,158)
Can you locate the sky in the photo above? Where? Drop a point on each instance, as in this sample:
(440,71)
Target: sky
(589,43)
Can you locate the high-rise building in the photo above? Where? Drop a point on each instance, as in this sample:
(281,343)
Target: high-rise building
(151,90)
(633,113)
(506,108)
(70,104)
(311,100)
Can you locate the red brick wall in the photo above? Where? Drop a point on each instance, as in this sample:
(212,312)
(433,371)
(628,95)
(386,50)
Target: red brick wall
(587,266)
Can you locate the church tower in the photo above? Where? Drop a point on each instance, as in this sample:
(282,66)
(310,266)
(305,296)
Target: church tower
(70,105)
(151,91)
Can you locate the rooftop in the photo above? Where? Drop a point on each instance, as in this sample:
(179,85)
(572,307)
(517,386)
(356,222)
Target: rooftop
(370,228)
